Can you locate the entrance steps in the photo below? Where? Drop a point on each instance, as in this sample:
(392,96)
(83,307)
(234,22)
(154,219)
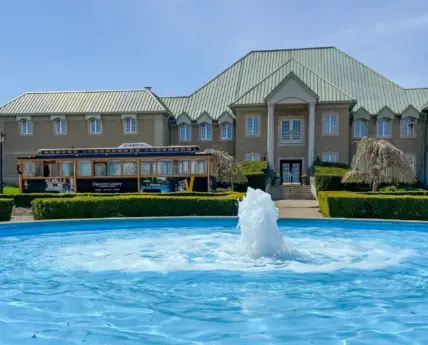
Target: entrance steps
(291,192)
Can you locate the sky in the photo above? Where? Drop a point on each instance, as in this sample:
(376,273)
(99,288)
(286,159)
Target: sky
(176,46)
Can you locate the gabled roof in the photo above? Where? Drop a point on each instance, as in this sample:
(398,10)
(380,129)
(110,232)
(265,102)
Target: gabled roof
(83,102)
(325,91)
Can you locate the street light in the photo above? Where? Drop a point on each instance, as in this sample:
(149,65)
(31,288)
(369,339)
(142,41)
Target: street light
(2,136)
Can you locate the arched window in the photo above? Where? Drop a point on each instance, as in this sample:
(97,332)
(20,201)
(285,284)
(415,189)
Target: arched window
(26,127)
(384,128)
(185,132)
(408,127)
(60,127)
(95,126)
(130,125)
(360,129)
(206,132)
(226,131)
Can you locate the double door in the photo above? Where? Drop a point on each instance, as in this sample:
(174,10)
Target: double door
(291,171)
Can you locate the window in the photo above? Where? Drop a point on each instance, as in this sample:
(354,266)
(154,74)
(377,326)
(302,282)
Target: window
(84,168)
(329,125)
(252,156)
(226,131)
(114,168)
(32,169)
(291,131)
(147,168)
(184,132)
(412,161)
(384,128)
(253,127)
(331,157)
(360,129)
(60,127)
(130,168)
(100,169)
(407,128)
(26,127)
(95,126)
(198,167)
(165,168)
(183,167)
(67,169)
(206,131)
(130,125)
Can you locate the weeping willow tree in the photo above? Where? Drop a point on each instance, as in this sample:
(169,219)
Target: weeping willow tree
(377,162)
(227,169)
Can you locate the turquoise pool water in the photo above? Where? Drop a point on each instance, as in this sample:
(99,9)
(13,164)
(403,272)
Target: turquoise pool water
(187,281)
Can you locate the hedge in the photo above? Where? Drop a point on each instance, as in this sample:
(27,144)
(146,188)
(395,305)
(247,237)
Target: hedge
(376,205)
(6,206)
(25,199)
(329,178)
(255,172)
(135,206)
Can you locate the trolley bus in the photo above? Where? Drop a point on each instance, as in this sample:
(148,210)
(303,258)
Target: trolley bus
(129,168)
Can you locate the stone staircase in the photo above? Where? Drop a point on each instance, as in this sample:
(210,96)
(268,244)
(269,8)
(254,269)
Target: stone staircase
(291,192)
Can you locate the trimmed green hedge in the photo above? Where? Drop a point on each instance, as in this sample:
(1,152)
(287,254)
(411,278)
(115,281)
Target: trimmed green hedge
(255,172)
(329,178)
(25,199)
(373,205)
(6,206)
(135,206)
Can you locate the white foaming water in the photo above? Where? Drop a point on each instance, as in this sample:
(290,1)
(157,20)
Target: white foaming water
(260,234)
(259,247)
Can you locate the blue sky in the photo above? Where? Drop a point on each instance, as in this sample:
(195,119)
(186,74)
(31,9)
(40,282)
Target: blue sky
(176,46)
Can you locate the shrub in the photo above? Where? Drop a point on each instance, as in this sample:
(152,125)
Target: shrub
(135,206)
(329,178)
(373,205)
(255,172)
(6,206)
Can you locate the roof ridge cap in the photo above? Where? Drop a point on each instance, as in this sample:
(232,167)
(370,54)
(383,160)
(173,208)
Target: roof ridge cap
(156,98)
(84,91)
(290,49)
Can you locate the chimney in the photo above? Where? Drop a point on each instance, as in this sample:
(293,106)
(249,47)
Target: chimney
(148,88)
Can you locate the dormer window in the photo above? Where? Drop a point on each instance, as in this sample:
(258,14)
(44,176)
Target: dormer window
(206,132)
(408,128)
(184,131)
(360,128)
(226,131)
(384,128)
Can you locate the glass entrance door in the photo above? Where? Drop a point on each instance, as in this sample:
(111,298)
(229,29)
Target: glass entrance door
(291,171)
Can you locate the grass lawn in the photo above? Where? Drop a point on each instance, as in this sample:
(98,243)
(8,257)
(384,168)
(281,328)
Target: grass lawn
(10,190)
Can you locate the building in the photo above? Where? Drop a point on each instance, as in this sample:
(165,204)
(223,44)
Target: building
(285,106)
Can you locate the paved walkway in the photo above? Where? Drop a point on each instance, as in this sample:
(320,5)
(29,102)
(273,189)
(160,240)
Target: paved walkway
(298,209)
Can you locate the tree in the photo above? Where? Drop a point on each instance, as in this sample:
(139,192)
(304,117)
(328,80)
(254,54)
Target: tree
(227,169)
(377,162)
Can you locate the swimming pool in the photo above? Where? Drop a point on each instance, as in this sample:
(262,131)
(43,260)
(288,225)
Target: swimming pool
(187,281)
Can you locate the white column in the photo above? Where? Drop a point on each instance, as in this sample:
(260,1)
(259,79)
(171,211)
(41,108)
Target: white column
(311,135)
(270,137)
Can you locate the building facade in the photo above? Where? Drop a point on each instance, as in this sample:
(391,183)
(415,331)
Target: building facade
(284,106)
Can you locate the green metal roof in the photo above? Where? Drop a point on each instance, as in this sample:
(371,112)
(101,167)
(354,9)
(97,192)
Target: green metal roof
(83,102)
(325,91)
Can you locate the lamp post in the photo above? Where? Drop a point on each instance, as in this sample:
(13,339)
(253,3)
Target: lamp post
(2,136)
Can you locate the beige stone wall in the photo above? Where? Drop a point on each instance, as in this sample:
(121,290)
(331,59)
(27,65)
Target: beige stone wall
(249,144)
(77,135)
(332,143)
(413,145)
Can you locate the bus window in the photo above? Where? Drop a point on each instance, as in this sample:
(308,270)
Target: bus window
(129,168)
(114,168)
(165,168)
(84,168)
(183,167)
(32,169)
(198,167)
(50,169)
(147,168)
(100,169)
(67,169)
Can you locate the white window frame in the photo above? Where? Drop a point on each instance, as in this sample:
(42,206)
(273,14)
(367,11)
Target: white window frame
(378,123)
(330,131)
(327,157)
(360,124)
(291,129)
(252,157)
(100,132)
(206,131)
(184,126)
(255,119)
(228,127)
(412,160)
(62,126)
(410,130)
(132,125)
(28,128)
